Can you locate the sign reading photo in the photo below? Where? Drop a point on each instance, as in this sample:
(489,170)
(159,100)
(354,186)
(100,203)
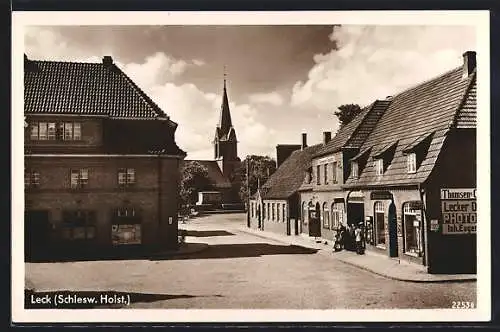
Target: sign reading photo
(458,207)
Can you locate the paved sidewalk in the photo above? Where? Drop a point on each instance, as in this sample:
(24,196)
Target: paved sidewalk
(370,261)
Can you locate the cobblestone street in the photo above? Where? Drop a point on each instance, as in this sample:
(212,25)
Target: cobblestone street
(243,271)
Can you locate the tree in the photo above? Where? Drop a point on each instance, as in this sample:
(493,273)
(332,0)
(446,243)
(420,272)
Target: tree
(261,168)
(194,178)
(347,112)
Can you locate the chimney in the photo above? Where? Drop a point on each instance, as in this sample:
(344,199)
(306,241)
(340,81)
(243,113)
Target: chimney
(107,60)
(304,141)
(327,136)
(469,63)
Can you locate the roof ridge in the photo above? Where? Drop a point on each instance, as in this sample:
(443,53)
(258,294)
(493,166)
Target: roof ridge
(472,79)
(426,81)
(142,94)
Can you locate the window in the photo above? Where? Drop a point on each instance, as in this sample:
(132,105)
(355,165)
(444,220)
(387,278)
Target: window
(334,172)
(79,225)
(412,219)
(264,210)
(31,179)
(52,131)
(326,216)
(379,224)
(379,166)
(318,179)
(126,177)
(325,173)
(354,170)
(412,163)
(304,213)
(126,227)
(284,212)
(268,212)
(79,178)
(337,215)
(273,212)
(251,209)
(278,208)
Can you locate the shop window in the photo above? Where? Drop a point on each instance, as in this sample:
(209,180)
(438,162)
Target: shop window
(126,227)
(412,219)
(78,225)
(326,216)
(31,179)
(354,170)
(79,178)
(379,224)
(126,177)
(412,162)
(318,176)
(337,215)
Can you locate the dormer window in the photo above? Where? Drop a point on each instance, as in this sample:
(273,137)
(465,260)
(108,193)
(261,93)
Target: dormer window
(412,162)
(416,152)
(354,169)
(379,166)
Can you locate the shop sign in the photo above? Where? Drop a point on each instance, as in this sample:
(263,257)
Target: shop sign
(376,195)
(434,225)
(126,234)
(338,200)
(459,208)
(416,205)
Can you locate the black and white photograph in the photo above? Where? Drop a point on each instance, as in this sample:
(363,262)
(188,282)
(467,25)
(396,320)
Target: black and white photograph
(251,166)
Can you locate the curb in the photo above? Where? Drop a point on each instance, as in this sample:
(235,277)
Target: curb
(464,279)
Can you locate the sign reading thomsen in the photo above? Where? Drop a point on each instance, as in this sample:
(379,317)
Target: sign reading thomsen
(458,207)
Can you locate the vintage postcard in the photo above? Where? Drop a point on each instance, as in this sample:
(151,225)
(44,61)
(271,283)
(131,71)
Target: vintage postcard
(251,166)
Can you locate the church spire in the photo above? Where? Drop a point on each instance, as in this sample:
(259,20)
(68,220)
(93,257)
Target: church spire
(225,122)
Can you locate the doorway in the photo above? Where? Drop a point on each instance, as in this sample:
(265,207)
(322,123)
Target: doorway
(36,233)
(355,213)
(393,231)
(314,222)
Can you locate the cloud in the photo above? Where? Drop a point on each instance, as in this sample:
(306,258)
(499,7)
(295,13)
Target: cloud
(372,62)
(272,98)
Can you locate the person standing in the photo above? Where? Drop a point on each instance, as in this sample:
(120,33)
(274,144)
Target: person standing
(358,238)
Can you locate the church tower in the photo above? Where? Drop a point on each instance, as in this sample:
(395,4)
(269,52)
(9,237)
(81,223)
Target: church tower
(225,142)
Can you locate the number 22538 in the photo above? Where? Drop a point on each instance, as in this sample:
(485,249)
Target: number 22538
(462,305)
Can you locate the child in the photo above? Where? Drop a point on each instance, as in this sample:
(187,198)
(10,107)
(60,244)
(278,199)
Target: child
(358,238)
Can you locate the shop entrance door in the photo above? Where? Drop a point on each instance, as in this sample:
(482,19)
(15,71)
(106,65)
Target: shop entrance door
(393,231)
(355,213)
(314,223)
(36,233)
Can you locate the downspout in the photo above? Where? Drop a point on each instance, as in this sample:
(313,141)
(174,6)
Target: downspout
(159,199)
(424,233)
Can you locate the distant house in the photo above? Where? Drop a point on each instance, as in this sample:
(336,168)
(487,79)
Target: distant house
(275,206)
(322,198)
(101,161)
(415,174)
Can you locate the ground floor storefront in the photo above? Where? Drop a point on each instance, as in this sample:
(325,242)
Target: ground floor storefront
(90,227)
(419,226)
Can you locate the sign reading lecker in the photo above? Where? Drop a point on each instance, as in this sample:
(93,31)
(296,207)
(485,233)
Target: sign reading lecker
(458,207)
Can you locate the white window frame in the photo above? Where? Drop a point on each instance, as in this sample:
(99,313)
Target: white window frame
(126,177)
(79,178)
(355,170)
(411,162)
(379,166)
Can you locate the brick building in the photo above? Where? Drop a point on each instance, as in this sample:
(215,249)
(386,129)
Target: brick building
(101,162)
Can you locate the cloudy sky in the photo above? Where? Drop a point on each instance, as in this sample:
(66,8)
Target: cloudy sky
(282,80)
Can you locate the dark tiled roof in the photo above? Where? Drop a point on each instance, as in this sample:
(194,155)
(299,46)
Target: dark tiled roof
(84,88)
(466,117)
(353,134)
(290,175)
(430,107)
(214,173)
